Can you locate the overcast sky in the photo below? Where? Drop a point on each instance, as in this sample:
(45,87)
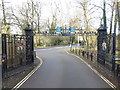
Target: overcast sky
(68,8)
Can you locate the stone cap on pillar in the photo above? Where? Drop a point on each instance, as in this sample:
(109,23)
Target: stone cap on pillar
(28,28)
(102,28)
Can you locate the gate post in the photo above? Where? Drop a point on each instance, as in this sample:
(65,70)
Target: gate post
(114,51)
(101,44)
(29,45)
(4,54)
(0,65)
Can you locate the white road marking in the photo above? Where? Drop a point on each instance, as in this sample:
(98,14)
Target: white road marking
(101,76)
(34,70)
(28,76)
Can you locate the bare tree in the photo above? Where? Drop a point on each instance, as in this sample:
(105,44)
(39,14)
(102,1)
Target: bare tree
(16,20)
(117,20)
(37,7)
(4,15)
(29,13)
(55,15)
(112,5)
(87,10)
(75,22)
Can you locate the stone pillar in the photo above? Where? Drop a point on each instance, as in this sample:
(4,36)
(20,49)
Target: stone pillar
(102,44)
(29,45)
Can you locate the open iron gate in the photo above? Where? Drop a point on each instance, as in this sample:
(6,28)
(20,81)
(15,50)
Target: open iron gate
(17,50)
(105,49)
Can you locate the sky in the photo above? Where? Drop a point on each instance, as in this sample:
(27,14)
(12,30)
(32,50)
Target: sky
(68,8)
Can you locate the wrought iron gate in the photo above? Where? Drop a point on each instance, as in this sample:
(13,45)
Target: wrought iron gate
(17,50)
(105,50)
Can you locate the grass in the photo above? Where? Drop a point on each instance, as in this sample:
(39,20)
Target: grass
(39,46)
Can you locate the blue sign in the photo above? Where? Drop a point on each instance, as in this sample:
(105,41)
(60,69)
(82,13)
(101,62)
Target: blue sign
(58,30)
(72,30)
(65,34)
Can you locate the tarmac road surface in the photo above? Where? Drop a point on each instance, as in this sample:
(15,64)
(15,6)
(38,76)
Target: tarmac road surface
(60,70)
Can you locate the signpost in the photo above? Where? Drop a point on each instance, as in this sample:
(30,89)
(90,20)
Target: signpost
(72,30)
(58,30)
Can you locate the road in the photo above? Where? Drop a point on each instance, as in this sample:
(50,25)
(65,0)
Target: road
(61,70)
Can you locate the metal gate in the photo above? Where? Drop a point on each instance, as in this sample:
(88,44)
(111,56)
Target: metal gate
(17,50)
(105,49)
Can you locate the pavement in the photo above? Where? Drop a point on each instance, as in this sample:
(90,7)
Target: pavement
(60,70)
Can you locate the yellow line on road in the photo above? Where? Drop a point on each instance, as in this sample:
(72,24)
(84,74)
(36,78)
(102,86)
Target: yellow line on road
(100,75)
(28,76)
